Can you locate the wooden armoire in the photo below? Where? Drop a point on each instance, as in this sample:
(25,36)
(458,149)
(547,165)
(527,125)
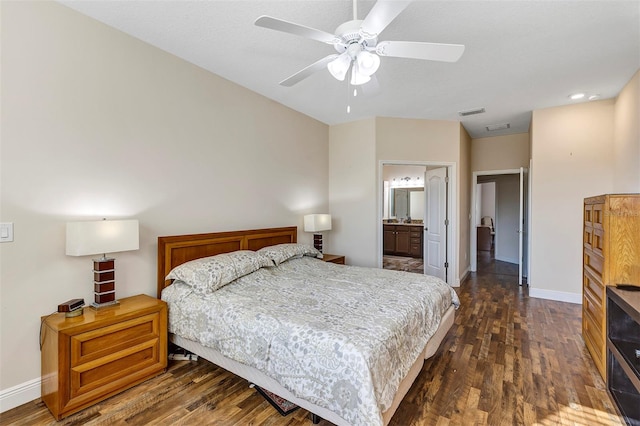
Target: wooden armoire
(611,255)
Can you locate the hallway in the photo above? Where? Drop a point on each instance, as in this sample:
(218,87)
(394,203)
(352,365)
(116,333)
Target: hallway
(487,264)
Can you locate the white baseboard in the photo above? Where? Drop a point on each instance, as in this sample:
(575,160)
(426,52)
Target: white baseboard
(559,296)
(464,276)
(19,394)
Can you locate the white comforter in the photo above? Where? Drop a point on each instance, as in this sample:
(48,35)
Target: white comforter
(340,337)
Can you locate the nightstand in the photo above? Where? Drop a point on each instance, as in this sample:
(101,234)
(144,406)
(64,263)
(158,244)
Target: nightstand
(333,258)
(89,358)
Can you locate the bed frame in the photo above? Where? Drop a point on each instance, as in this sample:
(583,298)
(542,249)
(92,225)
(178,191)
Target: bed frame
(175,250)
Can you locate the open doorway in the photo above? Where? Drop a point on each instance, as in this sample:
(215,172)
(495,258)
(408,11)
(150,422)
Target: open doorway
(403,217)
(500,219)
(485,207)
(417,227)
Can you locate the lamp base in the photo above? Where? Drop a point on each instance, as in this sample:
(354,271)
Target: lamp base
(104,283)
(317,242)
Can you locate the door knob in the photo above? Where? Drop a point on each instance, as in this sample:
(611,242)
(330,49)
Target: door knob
(426,229)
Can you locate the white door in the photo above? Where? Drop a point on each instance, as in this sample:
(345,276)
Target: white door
(523,230)
(527,246)
(435,231)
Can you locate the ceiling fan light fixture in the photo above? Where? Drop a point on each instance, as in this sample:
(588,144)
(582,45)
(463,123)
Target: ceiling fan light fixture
(357,77)
(339,66)
(368,63)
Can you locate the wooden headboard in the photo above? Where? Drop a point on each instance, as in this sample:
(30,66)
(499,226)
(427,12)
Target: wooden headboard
(178,249)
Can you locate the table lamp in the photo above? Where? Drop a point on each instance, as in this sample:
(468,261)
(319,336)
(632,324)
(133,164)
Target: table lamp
(102,237)
(317,223)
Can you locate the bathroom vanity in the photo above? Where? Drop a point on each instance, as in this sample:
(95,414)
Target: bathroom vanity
(403,239)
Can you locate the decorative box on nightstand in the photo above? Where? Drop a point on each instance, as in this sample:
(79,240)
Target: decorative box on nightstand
(93,356)
(333,258)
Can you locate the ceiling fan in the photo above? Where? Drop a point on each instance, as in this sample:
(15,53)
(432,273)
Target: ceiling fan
(356,42)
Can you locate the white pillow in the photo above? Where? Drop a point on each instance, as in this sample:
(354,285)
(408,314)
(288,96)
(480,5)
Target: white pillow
(283,252)
(208,274)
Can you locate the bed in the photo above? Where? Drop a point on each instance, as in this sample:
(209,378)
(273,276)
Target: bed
(215,330)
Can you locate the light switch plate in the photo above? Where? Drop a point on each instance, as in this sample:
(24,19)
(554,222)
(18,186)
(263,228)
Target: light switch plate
(6,232)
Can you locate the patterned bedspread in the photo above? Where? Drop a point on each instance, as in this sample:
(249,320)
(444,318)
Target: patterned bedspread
(340,337)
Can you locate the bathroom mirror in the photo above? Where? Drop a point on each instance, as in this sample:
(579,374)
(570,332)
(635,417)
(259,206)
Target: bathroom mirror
(406,202)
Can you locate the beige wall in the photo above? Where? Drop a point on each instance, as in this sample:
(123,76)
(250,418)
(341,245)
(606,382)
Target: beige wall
(577,151)
(96,123)
(417,140)
(353,192)
(500,152)
(572,159)
(626,176)
(433,141)
(464,185)
(356,152)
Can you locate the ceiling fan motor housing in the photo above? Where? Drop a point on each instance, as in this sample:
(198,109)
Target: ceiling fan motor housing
(349,33)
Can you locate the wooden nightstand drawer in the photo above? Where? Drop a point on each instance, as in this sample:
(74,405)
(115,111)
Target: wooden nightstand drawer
(102,352)
(111,373)
(110,340)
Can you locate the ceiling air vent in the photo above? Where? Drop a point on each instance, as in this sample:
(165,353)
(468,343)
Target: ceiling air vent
(471,112)
(494,127)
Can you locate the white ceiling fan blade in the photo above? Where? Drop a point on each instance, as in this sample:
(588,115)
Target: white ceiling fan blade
(306,72)
(421,50)
(297,29)
(381,15)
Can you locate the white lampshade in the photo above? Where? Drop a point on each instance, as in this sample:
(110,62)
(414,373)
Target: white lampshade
(368,63)
(339,66)
(101,237)
(317,222)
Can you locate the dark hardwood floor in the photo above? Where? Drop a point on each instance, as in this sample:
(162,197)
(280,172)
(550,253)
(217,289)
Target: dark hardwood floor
(508,360)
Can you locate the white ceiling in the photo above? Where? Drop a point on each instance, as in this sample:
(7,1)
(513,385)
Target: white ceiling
(519,56)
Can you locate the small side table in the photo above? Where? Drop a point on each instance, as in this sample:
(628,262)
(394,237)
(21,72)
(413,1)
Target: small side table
(333,258)
(93,356)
